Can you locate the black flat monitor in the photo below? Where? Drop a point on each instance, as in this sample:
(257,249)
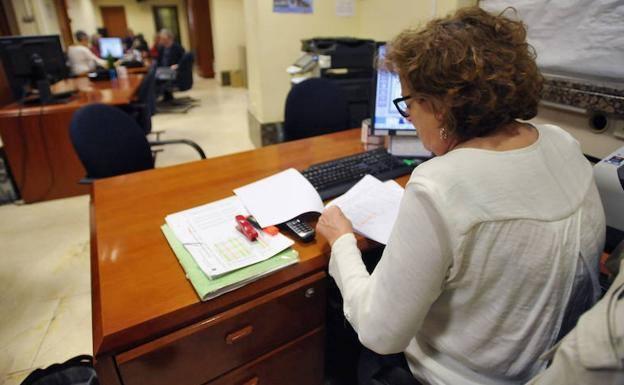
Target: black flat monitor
(386,120)
(31,59)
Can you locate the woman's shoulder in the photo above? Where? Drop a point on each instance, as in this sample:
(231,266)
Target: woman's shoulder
(556,132)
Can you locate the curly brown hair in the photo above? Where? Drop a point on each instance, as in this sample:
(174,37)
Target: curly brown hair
(476,68)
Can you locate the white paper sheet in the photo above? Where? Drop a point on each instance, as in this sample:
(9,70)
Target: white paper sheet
(372,207)
(209,234)
(280,197)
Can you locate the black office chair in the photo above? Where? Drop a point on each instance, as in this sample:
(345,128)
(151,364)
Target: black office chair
(109,142)
(315,106)
(144,107)
(183,81)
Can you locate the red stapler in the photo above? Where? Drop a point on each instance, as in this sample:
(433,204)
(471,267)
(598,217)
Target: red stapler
(246,228)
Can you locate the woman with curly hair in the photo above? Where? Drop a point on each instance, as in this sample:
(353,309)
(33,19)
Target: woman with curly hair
(495,250)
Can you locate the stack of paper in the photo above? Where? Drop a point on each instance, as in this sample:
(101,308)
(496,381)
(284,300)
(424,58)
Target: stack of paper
(209,234)
(216,257)
(208,288)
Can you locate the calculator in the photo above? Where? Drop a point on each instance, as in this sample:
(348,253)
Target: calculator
(301,229)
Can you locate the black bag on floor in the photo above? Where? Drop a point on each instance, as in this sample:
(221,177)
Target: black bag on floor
(75,371)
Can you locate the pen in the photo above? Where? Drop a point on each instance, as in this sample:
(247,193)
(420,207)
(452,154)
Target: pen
(245,228)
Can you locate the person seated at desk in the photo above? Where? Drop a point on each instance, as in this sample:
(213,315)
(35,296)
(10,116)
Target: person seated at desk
(128,40)
(169,55)
(81,59)
(497,239)
(140,44)
(153,51)
(169,51)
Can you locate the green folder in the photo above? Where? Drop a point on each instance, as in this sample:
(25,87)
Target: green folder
(207,288)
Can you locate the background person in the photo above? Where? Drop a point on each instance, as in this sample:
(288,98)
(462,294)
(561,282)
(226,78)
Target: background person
(128,40)
(169,51)
(495,236)
(153,52)
(169,55)
(140,45)
(80,58)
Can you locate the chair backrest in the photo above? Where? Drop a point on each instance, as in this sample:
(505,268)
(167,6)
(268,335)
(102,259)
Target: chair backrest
(315,106)
(109,142)
(146,97)
(147,90)
(184,76)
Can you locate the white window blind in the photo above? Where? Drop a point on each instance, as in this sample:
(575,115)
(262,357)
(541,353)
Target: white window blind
(581,38)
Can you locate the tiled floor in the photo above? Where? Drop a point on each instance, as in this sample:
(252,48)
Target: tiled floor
(45,300)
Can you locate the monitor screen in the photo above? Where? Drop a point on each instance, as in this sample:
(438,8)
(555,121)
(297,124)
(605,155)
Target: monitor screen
(386,119)
(111,46)
(17,54)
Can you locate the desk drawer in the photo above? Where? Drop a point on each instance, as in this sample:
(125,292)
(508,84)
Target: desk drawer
(299,362)
(196,354)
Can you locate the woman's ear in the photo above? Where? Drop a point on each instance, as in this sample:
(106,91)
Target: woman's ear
(437,108)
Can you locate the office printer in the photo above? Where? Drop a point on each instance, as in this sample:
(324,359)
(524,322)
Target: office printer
(345,61)
(609,175)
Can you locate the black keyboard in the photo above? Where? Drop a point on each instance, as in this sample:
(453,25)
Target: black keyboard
(335,177)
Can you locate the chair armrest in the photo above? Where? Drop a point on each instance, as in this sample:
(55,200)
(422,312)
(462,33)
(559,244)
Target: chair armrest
(180,141)
(156,133)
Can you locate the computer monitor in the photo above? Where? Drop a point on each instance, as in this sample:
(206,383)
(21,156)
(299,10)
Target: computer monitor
(386,120)
(111,46)
(31,59)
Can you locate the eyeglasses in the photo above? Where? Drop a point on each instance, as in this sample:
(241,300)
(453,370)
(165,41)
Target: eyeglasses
(401,106)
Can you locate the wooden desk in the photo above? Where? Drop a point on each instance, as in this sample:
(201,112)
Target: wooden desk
(149,327)
(36,138)
(138,70)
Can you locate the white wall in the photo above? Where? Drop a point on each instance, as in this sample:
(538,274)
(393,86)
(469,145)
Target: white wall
(228,34)
(274,42)
(274,39)
(46,17)
(24,9)
(82,16)
(140,19)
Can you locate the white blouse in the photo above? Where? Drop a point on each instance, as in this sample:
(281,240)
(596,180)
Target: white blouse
(475,278)
(82,60)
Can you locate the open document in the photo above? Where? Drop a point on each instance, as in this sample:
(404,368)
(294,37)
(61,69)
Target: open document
(209,234)
(372,207)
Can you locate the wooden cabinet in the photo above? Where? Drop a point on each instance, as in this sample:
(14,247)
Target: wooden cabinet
(205,350)
(299,362)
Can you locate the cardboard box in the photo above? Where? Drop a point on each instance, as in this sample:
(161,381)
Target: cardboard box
(237,79)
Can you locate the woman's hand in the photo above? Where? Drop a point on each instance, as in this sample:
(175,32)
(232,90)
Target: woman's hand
(332,224)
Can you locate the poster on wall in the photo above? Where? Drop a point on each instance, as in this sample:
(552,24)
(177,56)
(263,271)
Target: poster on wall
(345,8)
(293,6)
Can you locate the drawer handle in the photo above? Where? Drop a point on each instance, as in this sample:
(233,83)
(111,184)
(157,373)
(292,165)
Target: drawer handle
(309,293)
(237,335)
(252,381)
